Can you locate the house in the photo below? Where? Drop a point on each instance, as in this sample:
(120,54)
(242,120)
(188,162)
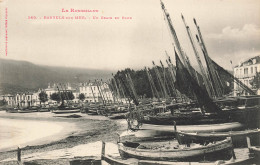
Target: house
(245,72)
(96,92)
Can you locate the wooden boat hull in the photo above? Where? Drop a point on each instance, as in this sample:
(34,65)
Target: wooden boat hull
(27,111)
(150,132)
(183,118)
(65,111)
(146,135)
(195,128)
(249,116)
(238,137)
(12,111)
(221,149)
(115,160)
(44,110)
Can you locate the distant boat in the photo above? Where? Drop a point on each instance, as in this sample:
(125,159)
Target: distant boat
(66,110)
(28,110)
(12,110)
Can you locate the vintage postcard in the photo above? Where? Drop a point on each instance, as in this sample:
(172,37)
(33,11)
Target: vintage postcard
(129,81)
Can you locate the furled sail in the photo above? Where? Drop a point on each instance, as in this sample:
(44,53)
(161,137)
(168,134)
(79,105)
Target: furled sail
(186,84)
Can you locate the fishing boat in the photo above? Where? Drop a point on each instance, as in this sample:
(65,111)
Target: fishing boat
(170,150)
(12,110)
(183,118)
(249,102)
(43,109)
(238,137)
(117,160)
(66,110)
(145,135)
(28,110)
(222,127)
(149,132)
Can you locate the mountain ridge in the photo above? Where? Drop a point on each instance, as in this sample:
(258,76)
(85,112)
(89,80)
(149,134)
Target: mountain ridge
(22,76)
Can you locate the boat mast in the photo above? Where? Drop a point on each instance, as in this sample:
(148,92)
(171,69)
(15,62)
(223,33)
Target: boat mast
(117,89)
(115,99)
(160,81)
(92,92)
(216,86)
(122,91)
(165,83)
(102,98)
(104,90)
(204,76)
(153,87)
(174,35)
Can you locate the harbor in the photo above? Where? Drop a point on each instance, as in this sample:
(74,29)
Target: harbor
(184,96)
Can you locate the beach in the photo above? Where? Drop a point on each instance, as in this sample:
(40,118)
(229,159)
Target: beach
(71,134)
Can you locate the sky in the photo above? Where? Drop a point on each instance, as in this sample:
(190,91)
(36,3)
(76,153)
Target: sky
(231,31)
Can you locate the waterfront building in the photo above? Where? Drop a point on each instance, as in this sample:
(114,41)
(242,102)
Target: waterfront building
(91,91)
(94,92)
(245,72)
(8,98)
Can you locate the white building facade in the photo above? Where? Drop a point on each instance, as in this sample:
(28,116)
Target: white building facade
(91,91)
(245,72)
(94,92)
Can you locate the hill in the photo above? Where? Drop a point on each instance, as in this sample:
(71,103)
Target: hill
(22,76)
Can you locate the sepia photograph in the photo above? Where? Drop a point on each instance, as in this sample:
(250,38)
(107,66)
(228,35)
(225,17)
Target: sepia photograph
(129,82)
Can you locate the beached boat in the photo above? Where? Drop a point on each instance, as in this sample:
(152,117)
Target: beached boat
(12,110)
(238,137)
(150,132)
(66,110)
(222,127)
(188,118)
(43,109)
(28,110)
(163,151)
(117,160)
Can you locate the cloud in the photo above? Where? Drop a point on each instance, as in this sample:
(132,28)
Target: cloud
(235,39)
(248,32)
(234,43)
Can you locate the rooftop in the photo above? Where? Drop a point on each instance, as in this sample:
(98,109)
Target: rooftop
(250,61)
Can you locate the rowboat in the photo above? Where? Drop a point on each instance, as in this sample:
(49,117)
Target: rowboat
(27,110)
(238,137)
(163,152)
(149,132)
(114,158)
(12,110)
(117,160)
(44,109)
(189,118)
(145,135)
(222,127)
(67,110)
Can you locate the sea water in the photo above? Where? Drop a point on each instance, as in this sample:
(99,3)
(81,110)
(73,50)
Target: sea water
(19,133)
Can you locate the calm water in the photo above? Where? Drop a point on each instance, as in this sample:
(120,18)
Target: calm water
(19,133)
